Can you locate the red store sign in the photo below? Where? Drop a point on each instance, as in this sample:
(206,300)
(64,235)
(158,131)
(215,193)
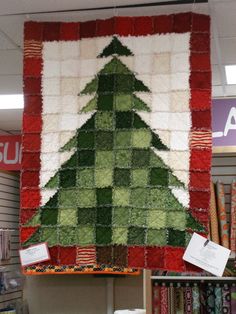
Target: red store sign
(10,152)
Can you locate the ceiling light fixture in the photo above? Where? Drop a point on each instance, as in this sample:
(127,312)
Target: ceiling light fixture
(12,101)
(230,71)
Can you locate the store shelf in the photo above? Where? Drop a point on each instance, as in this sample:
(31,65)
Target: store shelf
(192,278)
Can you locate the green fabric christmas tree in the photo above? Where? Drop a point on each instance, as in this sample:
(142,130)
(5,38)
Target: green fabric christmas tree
(114,189)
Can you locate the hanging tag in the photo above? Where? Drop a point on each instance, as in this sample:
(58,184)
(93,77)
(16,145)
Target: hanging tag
(206,255)
(34,254)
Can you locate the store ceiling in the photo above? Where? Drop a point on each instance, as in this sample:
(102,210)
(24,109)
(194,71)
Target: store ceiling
(222,12)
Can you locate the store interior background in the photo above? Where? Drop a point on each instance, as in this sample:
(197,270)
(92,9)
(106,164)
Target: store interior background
(67,294)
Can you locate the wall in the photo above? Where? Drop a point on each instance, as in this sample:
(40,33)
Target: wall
(9,217)
(80,294)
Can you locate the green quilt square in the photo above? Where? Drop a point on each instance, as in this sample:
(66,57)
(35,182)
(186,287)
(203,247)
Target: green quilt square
(104,140)
(176,220)
(138,217)
(121,177)
(165,199)
(104,120)
(106,83)
(176,238)
(85,178)
(53,202)
(103,177)
(104,216)
(86,158)
(123,139)
(121,197)
(123,102)
(67,178)
(141,138)
(103,235)
(139,197)
(86,198)
(86,139)
(120,216)
(124,83)
(49,216)
(104,196)
(157,219)
(156,237)
(156,161)
(139,177)
(140,158)
(67,235)
(159,176)
(71,163)
(67,198)
(124,120)
(86,216)
(68,217)
(123,158)
(136,236)
(85,235)
(119,236)
(49,235)
(104,159)
(105,102)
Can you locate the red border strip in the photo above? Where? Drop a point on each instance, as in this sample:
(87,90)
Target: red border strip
(200,85)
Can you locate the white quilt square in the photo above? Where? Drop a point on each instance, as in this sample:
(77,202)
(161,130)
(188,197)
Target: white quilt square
(70,68)
(51,68)
(70,86)
(180,121)
(51,104)
(160,83)
(51,86)
(179,101)
(180,81)
(181,42)
(69,50)
(161,43)
(50,142)
(88,67)
(51,50)
(49,161)
(143,64)
(88,49)
(180,62)
(160,120)
(68,122)
(161,102)
(51,123)
(161,63)
(179,140)
(69,104)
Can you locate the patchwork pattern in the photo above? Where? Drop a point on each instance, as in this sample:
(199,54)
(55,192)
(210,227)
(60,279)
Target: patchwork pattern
(117,147)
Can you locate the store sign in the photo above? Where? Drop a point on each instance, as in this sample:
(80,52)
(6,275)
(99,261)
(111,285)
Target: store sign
(10,152)
(224,122)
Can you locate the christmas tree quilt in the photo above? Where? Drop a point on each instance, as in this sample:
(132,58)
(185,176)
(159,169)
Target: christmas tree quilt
(116,140)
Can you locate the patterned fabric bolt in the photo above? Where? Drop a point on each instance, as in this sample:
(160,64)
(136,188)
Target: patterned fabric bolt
(226,300)
(196,299)
(210,304)
(224,227)
(188,300)
(233,299)
(233,218)
(164,300)
(213,217)
(218,300)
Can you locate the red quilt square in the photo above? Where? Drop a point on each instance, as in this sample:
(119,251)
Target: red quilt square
(200,62)
(182,22)
(26,215)
(200,80)
(199,199)
(67,255)
(174,259)
(30,161)
(31,142)
(32,123)
(26,233)
(32,86)
(136,256)
(69,31)
(33,31)
(54,256)
(200,159)
(163,24)
(143,25)
(154,257)
(201,119)
(51,31)
(88,29)
(104,255)
(200,180)
(32,104)
(124,26)
(200,42)
(30,179)
(200,99)
(32,67)
(105,27)
(201,23)
(30,198)
(120,255)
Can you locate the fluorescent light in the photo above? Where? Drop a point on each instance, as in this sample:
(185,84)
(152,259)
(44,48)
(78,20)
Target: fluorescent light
(230,71)
(12,101)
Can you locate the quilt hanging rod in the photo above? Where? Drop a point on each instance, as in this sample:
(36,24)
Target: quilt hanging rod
(125,6)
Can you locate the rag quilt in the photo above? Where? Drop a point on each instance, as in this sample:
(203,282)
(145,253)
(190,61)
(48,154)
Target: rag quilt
(116,140)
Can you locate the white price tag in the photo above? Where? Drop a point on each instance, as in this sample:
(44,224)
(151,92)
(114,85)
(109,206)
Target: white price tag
(206,255)
(34,254)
